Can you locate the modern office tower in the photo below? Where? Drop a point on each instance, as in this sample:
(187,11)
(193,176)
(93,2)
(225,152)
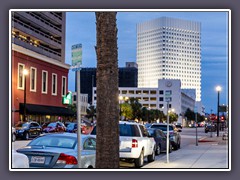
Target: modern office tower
(127,78)
(169,48)
(38,46)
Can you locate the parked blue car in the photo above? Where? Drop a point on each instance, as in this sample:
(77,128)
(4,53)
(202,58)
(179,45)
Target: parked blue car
(71,128)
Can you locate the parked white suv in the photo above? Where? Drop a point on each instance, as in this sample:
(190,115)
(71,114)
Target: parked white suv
(135,143)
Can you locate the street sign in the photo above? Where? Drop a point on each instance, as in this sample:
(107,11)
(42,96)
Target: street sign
(76,57)
(222,108)
(67,99)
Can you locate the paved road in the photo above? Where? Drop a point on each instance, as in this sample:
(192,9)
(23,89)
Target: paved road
(188,136)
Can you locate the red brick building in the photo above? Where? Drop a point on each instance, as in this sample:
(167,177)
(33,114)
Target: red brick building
(39,47)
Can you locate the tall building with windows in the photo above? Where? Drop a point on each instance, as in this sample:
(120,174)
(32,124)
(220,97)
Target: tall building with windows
(169,48)
(38,46)
(127,77)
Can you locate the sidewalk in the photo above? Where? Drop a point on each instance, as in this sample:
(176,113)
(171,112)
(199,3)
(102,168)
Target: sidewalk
(211,153)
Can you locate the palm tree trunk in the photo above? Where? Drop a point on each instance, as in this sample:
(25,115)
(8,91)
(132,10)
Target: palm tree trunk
(107,154)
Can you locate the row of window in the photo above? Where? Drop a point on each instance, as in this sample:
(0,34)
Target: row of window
(44,84)
(160,33)
(168,39)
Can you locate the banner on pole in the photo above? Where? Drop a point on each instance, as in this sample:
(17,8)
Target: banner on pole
(76,57)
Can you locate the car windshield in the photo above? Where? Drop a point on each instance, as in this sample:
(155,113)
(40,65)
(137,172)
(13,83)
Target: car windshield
(151,132)
(71,126)
(54,141)
(162,127)
(124,130)
(24,125)
(52,125)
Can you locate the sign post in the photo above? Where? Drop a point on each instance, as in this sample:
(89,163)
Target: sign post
(76,66)
(168,99)
(195,109)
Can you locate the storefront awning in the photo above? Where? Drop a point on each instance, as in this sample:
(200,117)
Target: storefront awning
(45,110)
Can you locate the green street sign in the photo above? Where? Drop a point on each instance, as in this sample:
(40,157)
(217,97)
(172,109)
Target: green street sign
(67,99)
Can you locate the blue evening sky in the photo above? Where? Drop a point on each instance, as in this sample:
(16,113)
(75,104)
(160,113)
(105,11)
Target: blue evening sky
(81,28)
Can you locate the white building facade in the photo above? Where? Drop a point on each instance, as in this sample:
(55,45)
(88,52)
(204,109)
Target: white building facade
(169,48)
(155,98)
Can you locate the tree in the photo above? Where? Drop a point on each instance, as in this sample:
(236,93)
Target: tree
(173,117)
(91,113)
(189,114)
(127,111)
(144,114)
(73,107)
(107,148)
(136,108)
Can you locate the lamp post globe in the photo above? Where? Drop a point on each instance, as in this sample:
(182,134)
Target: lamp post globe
(25,73)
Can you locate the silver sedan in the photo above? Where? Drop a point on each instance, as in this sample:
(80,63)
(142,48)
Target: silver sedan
(59,150)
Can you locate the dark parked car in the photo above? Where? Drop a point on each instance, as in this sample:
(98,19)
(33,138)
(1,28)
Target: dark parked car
(28,130)
(55,127)
(175,137)
(160,139)
(71,128)
(178,125)
(44,125)
(210,128)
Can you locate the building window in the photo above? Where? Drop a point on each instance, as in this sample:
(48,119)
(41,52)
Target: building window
(161,106)
(168,92)
(33,79)
(153,99)
(54,84)
(161,92)
(64,81)
(161,99)
(124,92)
(152,92)
(44,82)
(131,92)
(20,76)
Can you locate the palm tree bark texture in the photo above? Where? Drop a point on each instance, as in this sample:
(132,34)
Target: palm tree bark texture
(107,150)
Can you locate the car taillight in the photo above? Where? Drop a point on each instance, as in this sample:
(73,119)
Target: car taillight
(134,143)
(67,159)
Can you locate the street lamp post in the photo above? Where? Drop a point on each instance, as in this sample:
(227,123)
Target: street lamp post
(25,73)
(218,88)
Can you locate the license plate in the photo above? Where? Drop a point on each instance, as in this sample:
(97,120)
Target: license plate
(38,159)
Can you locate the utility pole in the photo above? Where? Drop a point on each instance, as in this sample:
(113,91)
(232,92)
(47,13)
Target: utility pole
(167,132)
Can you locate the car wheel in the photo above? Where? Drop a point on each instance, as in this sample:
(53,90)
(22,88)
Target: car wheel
(139,161)
(158,150)
(14,137)
(175,146)
(151,157)
(26,137)
(179,144)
